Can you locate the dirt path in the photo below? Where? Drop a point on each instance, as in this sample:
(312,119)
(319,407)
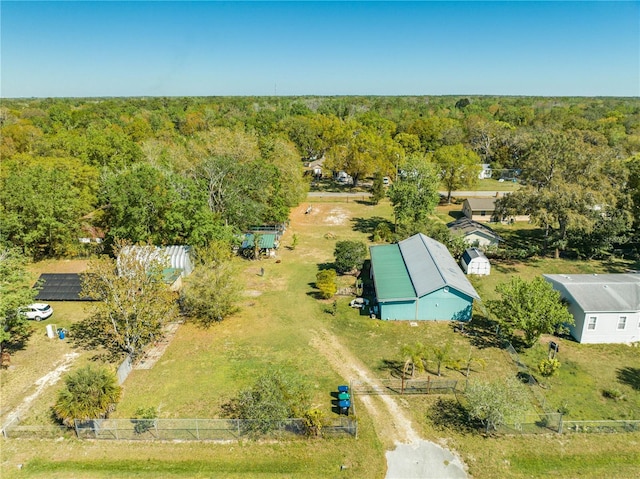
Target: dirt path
(41,384)
(389,420)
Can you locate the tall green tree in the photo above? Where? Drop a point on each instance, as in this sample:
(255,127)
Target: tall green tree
(90,392)
(570,183)
(349,255)
(15,291)
(132,301)
(531,306)
(212,291)
(361,150)
(415,195)
(458,167)
(42,201)
(145,204)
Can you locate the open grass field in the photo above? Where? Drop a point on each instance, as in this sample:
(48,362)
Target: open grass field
(280,316)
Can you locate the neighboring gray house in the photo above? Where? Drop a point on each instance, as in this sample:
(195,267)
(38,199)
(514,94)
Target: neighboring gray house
(418,279)
(474,233)
(473,261)
(479,209)
(605,307)
(483,209)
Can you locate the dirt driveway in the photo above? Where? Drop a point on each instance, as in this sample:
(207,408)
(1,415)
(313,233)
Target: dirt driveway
(408,456)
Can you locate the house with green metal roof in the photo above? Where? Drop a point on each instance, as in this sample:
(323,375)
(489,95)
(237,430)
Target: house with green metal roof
(418,279)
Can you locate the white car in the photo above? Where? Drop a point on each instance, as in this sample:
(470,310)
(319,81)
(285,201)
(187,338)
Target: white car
(37,311)
(359,303)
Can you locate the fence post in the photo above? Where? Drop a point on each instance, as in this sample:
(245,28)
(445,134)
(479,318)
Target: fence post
(75,427)
(197,430)
(560,424)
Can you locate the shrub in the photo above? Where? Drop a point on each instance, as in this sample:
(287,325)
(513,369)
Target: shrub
(145,419)
(314,420)
(326,283)
(549,367)
(613,393)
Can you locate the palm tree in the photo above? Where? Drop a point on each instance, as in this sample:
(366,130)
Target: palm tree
(414,356)
(441,355)
(89,393)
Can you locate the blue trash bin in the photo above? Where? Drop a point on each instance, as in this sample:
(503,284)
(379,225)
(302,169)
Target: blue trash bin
(343,389)
(61,334)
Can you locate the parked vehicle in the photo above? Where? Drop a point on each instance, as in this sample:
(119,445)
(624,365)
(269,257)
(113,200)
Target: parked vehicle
(359,303)
(36,311)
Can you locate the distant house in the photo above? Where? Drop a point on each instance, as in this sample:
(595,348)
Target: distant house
(474,233)
(483,209)
(474,261)
(605,307)
(418,279)
(485,172)
(479,209)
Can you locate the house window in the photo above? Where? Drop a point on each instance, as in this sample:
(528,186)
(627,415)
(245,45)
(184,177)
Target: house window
(592,322)
(622,322)
(483,213)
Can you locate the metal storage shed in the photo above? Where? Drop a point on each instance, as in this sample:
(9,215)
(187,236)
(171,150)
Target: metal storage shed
(474,261)
(175,257)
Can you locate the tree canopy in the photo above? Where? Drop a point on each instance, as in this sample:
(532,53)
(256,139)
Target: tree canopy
(199,169)
(531,306)
(15,291)
(133,302)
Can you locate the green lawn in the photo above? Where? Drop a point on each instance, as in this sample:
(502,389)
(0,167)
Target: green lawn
(203,368)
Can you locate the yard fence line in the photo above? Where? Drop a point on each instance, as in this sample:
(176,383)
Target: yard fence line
(408,386)
(181,429)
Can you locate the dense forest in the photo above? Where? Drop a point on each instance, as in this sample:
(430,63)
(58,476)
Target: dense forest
(192,170)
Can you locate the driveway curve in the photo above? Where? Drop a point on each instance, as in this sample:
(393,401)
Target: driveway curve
(412,457)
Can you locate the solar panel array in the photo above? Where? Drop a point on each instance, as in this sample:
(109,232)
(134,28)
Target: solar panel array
(60,287)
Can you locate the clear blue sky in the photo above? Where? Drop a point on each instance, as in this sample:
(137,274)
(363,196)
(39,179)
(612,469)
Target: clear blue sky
(131,48)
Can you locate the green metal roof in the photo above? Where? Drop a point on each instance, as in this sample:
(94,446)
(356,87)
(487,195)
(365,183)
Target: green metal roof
(267,241)
(170,275)
(392,279)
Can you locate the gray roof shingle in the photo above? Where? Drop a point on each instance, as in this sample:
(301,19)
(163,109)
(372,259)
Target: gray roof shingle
(431,266)
(601,292)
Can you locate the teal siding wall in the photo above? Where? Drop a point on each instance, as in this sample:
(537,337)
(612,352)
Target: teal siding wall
(442,304)
(398,310)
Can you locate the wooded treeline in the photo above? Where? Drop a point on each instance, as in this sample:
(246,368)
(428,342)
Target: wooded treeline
(192,170)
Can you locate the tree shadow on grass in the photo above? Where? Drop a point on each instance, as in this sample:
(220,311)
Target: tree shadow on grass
(449,414)
(630,377)
(369,225)
(87,334)
(18,341)
(480,331)
(392,366)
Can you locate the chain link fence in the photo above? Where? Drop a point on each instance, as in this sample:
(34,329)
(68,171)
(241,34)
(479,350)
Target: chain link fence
(407,386)
(206,429)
